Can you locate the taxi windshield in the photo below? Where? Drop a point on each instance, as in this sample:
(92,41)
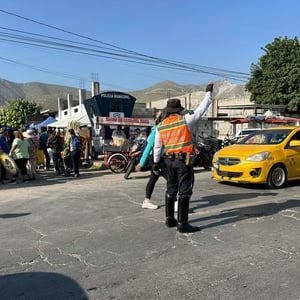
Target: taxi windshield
(266,137)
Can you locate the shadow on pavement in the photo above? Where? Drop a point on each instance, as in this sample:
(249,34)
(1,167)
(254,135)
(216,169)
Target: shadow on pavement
(49,178)
(213,200)
(40,285)
(256,186)
(15,215)
(255,211)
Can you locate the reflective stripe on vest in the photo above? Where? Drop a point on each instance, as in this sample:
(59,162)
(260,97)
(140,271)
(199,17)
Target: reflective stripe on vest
(175,134)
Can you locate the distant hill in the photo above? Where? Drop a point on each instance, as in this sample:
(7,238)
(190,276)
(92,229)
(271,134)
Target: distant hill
(43,94)
(46,94)
(166,89)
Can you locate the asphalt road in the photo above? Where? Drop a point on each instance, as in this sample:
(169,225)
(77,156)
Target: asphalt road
(89,238)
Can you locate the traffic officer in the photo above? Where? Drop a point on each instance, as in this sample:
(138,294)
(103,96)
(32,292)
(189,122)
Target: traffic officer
(173,133)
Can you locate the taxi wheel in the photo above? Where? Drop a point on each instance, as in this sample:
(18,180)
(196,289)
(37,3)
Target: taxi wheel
(277,177)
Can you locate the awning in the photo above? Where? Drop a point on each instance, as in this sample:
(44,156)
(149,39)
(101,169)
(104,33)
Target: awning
(282,120)
(45,123)
(272,120)
(239,121)
(84,121)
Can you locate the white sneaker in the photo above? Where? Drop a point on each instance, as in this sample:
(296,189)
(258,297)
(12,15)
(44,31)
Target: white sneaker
(176,206)
(149,205)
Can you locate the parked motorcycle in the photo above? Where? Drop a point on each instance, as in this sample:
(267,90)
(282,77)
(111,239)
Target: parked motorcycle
(229,141)
(204,155)
(135,155)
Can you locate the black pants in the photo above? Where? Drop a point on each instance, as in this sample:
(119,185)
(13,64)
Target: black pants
(57,161)
(47,157)
(180,178)
(21,164)
(2,172)
(153,179)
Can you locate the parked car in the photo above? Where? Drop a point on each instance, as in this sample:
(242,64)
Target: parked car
(268,156)
(241,134)
(246,131)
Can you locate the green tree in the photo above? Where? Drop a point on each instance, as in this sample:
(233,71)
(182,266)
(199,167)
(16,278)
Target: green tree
(3,118)
(275,79)
(16,112)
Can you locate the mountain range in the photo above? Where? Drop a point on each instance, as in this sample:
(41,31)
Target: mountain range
(46,95)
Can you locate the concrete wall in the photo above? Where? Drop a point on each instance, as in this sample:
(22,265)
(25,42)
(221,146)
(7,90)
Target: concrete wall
(216,122)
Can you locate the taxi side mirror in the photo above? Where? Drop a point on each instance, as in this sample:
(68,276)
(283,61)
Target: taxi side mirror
(295,143)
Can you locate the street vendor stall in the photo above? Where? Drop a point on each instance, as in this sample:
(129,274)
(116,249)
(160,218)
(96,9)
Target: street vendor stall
(116,157)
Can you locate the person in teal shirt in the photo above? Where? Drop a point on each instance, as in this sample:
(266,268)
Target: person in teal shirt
(148,156)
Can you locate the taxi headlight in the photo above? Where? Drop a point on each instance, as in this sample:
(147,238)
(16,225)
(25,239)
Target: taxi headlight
(216,166)
(215,163)
(258,156)
(215,155)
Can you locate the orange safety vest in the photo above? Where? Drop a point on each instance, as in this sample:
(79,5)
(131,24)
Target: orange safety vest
(175,134)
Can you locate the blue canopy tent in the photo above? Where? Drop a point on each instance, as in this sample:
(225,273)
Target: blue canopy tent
(45,123)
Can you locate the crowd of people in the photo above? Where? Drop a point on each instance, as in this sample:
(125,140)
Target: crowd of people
(169,150)
(21,153)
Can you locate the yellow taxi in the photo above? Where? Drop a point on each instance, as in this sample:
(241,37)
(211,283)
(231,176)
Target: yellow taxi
(269,156)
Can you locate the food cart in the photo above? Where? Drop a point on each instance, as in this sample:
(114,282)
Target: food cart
(116,156)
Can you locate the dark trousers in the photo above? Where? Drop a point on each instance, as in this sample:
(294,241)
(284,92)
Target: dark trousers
(180,178)
(47,157)
(57,160)
(75,156)
(153,179)
(21,164)
(2,172)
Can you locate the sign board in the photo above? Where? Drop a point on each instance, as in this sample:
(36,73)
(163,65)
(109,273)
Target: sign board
(115,114)
(139,122)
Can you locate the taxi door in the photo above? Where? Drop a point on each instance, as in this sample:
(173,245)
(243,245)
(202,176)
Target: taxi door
(293,157)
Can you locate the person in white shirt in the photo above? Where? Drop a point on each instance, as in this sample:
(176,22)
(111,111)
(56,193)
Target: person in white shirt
(118,136)
(174,134)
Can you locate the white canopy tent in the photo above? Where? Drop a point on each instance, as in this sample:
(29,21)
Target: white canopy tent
(84,121)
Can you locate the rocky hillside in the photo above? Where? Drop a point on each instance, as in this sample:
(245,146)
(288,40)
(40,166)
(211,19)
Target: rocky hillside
(46,94)
(222,90)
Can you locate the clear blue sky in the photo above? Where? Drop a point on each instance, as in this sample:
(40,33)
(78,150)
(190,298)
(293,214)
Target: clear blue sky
(217,34)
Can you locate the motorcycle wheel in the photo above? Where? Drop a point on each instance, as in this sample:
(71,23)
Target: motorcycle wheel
(129,168)
(207,162)
(117,163)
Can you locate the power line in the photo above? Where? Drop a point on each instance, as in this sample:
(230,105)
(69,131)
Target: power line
(139,56)
(124,59)
(50,43)
(192,67)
